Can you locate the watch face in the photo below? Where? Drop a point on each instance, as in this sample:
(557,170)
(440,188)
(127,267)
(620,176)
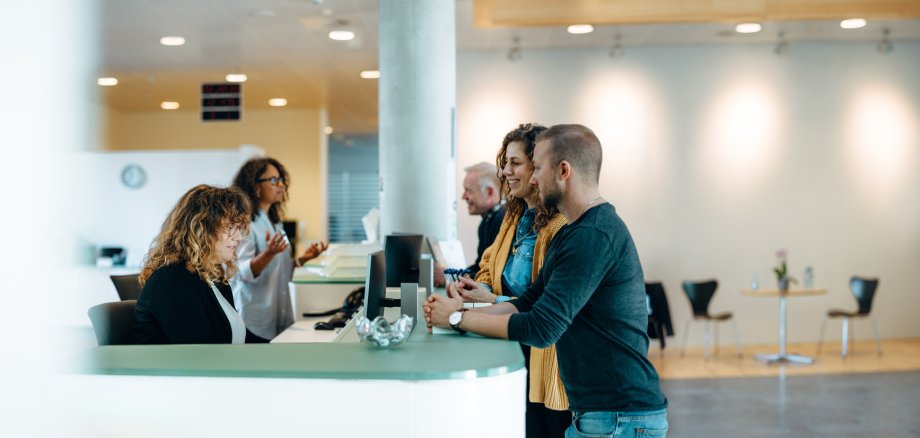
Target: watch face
(455,318)
(133,176)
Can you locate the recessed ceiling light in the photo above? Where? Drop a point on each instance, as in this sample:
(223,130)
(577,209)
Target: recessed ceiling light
(235,77)
(748,28)
(172,41)
(342,35)
(107,82)
(370,74)
(328,130)
(853,23)
(169,105)
(277,101)
(579,29)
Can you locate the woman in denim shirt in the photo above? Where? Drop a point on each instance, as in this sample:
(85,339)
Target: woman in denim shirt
(511,263)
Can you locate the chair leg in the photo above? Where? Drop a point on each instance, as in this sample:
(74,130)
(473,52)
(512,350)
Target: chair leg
(878,340)
(706,329)
(715,344)
(737,337)
(821,336)
(683,349)
(660,328)
(843,337)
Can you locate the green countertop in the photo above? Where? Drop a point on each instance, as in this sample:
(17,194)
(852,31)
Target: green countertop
(422,357)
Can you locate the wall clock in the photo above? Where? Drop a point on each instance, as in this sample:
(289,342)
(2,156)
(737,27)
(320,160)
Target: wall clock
(133,176)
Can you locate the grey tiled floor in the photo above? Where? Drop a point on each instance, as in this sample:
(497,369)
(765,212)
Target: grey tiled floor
(852,405)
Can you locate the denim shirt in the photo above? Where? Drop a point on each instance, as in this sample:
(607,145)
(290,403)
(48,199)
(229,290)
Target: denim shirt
(519,267)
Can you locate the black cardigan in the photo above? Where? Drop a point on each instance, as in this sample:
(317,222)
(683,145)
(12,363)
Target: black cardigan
(178,307)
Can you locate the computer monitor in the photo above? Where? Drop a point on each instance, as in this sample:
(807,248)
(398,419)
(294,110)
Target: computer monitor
(402,254)
(375,289)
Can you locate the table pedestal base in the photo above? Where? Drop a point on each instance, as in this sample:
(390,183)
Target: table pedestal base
(784,358)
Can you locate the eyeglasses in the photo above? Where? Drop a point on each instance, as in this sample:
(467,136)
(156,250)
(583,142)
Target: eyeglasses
(275,180)
(232,230)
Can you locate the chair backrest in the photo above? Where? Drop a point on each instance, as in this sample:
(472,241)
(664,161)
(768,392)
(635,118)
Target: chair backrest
(700,294)
(113,322)
(864,290)
(127,286)
(659,303)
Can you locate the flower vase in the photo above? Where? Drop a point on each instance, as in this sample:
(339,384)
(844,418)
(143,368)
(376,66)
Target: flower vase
(783,284)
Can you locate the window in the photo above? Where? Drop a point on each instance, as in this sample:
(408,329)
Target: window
(353,185)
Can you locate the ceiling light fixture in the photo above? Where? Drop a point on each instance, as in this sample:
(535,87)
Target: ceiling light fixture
(884,46)
(580,29)
(748,28)
(514,53)
(172,41)
(370,74)
(235,77)
(169,105)
(107,82)
(277,101)
(341,35)
(617,50)
(328,130)
(853,23)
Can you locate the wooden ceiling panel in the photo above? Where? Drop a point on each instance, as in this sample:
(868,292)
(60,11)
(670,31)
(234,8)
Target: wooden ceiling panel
(530,13)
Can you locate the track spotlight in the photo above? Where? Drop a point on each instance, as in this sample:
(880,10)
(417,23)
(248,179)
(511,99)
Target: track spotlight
(781,44)
(884,46)
(514,53)
(617,50)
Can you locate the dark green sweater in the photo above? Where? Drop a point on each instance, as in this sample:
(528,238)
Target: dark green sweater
(589,299)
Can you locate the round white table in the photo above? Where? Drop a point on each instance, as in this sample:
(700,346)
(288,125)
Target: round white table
(782,356)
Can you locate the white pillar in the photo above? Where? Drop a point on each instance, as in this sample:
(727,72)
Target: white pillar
(49,51)
(417,130)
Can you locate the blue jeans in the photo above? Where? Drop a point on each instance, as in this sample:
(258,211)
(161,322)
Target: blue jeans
(618,424)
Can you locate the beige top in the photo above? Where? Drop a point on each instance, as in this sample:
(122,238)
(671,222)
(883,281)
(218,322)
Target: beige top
(545,384)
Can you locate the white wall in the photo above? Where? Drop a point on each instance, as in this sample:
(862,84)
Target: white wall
(717,156)
(113,214)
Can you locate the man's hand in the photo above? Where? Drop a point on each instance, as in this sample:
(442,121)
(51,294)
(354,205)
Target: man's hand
(439,280)
(471,291)
(438,308)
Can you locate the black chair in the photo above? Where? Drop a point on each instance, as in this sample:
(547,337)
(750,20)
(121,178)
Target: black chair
(127,286)
(700,294)
(113,322)
(659,317)
(864,291)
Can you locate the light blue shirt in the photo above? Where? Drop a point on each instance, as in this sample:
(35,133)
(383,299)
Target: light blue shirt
(264,301)
(519,267)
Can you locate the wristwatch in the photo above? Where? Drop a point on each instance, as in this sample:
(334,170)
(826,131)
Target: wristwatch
(454,320)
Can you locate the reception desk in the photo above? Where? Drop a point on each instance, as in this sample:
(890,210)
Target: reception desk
(432,385)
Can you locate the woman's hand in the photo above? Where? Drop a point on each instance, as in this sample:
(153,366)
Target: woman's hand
(313,252)
(471,291)
(274,244)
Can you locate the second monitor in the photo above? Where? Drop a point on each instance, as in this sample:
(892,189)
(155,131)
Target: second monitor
(402,255)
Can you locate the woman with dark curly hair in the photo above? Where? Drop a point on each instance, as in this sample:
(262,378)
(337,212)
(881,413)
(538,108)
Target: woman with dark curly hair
(511,263)
(265,261)
(186,298)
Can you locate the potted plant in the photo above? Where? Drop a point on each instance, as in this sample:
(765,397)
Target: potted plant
(783,279)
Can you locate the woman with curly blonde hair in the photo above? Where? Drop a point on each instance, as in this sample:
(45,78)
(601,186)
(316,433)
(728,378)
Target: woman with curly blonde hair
(186,298)
(511,263)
